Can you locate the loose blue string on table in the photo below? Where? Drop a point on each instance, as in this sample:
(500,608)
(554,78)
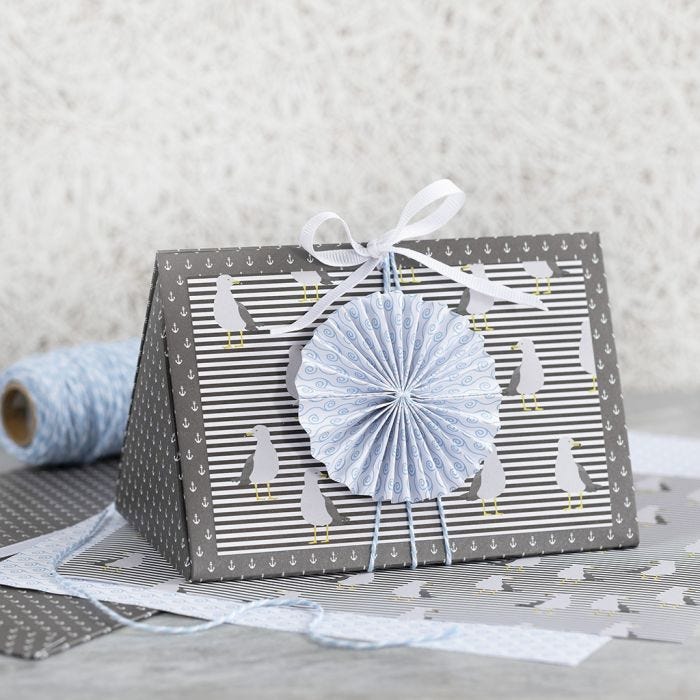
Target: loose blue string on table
(80,398)
(312,629)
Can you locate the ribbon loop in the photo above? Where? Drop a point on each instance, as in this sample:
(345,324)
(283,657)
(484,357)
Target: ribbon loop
(333,258)
(452,201)
(369,256)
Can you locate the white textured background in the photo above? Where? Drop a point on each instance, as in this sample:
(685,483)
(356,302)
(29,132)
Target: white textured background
(131,126)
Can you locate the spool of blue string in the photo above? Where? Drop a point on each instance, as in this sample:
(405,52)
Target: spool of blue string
(69,405)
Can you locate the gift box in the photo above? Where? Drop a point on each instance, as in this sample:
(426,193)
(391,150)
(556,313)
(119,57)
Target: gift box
(253,447)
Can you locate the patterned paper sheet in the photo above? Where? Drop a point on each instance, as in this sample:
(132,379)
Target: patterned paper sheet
(37,500)
(34,625)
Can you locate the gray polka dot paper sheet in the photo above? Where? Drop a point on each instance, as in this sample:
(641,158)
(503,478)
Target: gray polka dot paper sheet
(650,592)
(215,460)
(34,502)
(37,500)
(35,625)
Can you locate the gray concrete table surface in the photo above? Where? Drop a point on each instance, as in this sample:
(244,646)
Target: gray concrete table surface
(252,663)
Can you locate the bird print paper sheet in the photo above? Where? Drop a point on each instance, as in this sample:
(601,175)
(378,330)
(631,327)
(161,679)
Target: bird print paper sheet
(257,504)
(650,592)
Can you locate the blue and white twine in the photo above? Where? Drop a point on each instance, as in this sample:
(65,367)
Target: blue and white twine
(80,398)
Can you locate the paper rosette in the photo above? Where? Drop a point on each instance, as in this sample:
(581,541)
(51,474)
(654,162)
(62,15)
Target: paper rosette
(398,397)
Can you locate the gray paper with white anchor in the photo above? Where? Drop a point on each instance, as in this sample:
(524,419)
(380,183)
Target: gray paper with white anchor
(34,502)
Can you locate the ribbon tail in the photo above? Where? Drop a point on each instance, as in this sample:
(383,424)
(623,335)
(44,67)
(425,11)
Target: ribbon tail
(478,284)
(326,300)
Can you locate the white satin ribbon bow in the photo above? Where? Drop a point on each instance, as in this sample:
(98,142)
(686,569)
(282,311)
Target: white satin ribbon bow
(370,255)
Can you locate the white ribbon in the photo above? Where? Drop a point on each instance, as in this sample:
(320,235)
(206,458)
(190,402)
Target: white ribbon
(370,255)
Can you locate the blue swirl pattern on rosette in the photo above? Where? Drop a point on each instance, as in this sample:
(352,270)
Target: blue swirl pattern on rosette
(398,397)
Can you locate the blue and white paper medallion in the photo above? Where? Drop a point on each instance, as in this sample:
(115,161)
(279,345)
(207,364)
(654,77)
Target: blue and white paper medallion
(399,397)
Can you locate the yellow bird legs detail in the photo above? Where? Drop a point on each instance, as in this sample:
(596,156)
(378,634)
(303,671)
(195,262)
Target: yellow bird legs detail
(538,291)
(228,345)
(270,497)
(306,297)
(475,325)
(485,513)
(537,407)
(413,280)
(580,502)
(315,539)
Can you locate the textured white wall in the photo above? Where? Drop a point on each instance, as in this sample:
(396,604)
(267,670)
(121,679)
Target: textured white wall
(129,126)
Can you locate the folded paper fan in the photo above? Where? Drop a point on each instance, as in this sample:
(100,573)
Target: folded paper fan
(399,397)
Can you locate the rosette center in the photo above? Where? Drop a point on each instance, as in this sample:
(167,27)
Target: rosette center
(402,394)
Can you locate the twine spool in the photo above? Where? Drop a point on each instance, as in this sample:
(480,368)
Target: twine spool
(69,405)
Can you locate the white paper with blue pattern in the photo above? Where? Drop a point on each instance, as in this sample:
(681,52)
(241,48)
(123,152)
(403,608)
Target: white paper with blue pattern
(399,397)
